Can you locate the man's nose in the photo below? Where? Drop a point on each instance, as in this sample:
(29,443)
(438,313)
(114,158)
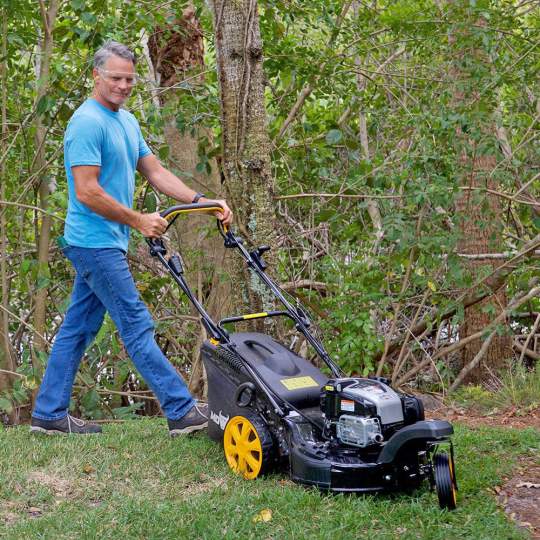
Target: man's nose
(123,84)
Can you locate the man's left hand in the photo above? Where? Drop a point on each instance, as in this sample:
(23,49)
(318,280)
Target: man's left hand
(226,216)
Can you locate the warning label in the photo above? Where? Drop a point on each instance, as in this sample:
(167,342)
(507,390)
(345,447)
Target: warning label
(347,405)
(295,383)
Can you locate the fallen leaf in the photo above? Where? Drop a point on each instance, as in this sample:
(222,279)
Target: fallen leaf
(528,485)
(264,515)
(88,469)
(34,511)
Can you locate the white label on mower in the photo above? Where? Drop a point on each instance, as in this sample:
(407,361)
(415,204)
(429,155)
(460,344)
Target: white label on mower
(347,405)
(219,419)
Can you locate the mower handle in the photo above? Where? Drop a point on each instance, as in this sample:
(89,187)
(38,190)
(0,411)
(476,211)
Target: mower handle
(170,214)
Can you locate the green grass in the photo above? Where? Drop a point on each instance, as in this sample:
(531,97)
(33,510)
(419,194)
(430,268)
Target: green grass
(135,482)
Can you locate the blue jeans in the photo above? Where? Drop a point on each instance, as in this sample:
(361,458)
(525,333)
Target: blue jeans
(103,282)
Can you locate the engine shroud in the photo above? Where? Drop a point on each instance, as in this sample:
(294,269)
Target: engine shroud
(380,410)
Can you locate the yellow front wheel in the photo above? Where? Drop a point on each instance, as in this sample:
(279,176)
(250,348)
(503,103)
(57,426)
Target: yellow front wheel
(247,444)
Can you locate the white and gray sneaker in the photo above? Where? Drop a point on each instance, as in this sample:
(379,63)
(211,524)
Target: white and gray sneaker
(67,425)
(195,420)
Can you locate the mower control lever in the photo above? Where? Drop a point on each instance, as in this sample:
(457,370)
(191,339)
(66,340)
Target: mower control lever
(175,264)
(156,246)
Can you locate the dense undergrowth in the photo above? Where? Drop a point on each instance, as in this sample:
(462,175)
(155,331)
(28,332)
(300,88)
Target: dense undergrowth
(518,388)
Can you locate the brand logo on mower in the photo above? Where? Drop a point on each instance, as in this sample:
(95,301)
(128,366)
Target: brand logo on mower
(219,418)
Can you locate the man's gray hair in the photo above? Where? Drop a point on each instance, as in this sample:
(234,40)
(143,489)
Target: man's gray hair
(113,48)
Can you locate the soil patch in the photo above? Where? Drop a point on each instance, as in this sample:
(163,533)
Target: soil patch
(520,496)
(59,486)
(512,418)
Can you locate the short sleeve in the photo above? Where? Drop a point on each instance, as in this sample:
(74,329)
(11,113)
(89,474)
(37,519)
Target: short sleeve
(144,149)
(84,140)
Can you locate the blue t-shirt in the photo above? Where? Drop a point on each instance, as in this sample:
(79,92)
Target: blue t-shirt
(112,140)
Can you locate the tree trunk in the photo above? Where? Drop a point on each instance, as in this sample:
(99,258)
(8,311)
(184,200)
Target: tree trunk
(45,50)
(177,53)
(7,362)
(246,153)
(372,206)
(479,214)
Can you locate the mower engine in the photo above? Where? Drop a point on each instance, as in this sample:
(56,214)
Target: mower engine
(364,412)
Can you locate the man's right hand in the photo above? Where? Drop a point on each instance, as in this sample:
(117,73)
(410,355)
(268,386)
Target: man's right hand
(151,225)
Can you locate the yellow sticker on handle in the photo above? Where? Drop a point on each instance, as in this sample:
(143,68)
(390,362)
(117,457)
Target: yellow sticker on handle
(295,383)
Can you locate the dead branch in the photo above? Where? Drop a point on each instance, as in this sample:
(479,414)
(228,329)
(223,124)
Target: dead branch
(473,295)
(336,196)
(524,348)
(504,255)
(30,207)
(118,393)
(513,304)
(304,284)
(404,285)
(473,363)
(402,356)
(506,196)
(526,351)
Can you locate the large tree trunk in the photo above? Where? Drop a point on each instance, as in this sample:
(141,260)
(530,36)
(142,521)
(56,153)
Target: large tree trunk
(481,234)
(246,153)
(479,213)
(177,53)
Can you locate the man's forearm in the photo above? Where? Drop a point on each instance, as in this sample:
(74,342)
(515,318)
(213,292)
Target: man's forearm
(103,204)
(169,184)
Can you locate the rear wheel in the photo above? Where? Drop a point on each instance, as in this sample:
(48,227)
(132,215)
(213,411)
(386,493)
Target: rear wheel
(247,444)
(445,480)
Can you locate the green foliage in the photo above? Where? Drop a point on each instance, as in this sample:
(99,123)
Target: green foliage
(417,72)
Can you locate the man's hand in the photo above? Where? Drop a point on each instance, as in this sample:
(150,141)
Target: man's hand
(151,225)
(226,216)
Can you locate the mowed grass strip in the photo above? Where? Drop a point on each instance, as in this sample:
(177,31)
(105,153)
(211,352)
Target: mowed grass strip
(136,482)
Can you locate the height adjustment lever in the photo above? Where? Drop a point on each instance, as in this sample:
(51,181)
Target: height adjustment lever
(257,254)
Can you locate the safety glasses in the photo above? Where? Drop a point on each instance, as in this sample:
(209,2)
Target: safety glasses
(131,79)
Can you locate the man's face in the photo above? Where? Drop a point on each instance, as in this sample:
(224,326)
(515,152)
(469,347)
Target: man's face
(114,82)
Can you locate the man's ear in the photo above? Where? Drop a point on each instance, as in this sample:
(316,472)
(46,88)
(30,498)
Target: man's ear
(95,74)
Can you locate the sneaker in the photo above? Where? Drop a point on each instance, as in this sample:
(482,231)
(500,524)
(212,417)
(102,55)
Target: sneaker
(195,420)
(66,425)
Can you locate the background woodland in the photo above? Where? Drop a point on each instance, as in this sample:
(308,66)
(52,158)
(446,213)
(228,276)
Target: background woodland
(388,152)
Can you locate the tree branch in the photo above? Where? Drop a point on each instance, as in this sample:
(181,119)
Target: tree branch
(304,284)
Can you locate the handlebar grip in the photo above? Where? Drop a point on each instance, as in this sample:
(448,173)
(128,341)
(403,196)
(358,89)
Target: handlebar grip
(173,211)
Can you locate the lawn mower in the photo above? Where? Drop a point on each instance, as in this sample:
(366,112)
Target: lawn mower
(272,409)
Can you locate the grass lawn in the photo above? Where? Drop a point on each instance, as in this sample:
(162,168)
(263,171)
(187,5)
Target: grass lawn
(136,482)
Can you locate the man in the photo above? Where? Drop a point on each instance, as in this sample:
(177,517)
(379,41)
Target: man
(103,146)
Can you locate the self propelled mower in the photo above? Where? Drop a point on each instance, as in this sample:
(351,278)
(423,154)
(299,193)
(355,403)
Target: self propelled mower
(271,408)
